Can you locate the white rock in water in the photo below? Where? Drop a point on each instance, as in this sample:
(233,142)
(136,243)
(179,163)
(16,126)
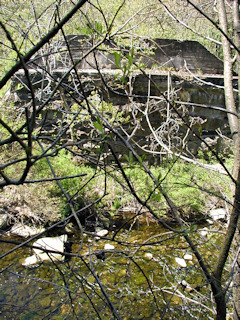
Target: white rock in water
(188,257)
(25,231)
(181,262)
(217,214)
(186,285)
(48,243)
(148,256)
(204,232)
(209,221)
(102,233)
(29,261)
(108,246)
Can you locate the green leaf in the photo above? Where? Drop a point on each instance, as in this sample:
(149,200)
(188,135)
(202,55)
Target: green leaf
(125,70)
(98,126)
(98,27)
(131,157)
(117,57)
(142,158)
(132,52)
(123,79)
(159,176)
(130,60)
(193,228)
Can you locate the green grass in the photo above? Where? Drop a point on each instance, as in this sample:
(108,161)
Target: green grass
(192,188)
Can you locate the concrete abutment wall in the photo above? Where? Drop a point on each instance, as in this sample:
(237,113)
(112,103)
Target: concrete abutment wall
(200,92)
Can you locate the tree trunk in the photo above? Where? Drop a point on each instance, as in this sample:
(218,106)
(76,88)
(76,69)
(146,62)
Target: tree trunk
(236,288)
(235,213)
(228,77)
(234,127)
(221,306)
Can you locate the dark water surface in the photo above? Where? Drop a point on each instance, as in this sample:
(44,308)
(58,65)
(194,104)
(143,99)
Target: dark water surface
(139,286)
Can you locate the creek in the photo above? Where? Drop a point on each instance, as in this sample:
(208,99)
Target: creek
(140,277)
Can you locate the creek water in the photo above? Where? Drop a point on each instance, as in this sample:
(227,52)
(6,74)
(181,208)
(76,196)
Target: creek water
(140,277)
